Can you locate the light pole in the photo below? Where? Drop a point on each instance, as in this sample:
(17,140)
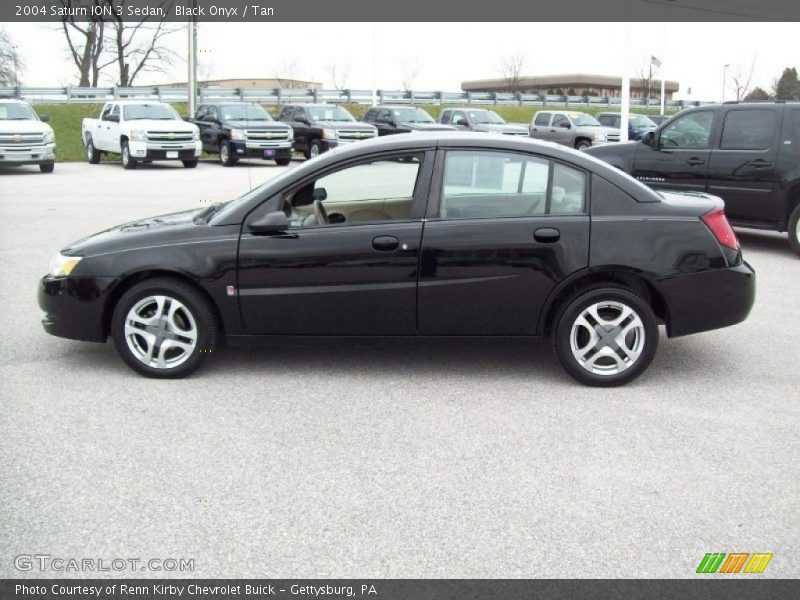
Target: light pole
(192,62)
(724,80)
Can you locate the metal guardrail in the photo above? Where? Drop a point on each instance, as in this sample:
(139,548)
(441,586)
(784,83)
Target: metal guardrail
(277,96)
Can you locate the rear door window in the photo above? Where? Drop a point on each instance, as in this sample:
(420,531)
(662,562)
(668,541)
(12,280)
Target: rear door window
(748,129)
(542,119)
(486,184)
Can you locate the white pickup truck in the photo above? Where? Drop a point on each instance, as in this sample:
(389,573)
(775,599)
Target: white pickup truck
(25,138)
(141,131)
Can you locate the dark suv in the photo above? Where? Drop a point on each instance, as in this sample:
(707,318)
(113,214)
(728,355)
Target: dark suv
(237,130)
(747,153)
(402,119)
(320,127)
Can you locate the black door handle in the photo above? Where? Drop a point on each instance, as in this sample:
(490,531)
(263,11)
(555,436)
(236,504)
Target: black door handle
(547,235)
(385,243)
(552,131)
(694,161)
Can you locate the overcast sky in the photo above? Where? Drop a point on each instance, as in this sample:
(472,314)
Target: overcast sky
(692,53)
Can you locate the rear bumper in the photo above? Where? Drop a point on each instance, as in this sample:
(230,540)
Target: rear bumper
(708,300)
(74,307)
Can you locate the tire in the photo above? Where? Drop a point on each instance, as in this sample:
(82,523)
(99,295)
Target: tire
(189,164)
(315,149)
(128,162)
(794,230)
(92,153)
(186,310)
(226,157)
(282,162)
(583,145)
(47,167)
(578,348)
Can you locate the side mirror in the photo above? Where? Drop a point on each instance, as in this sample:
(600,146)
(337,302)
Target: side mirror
(565,125)
(649,139)
(302,120)
(113,118)
(273,222)
(320,194)
(44,118)
(187,118)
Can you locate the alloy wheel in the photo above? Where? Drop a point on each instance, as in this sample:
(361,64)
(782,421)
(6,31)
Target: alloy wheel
(314,150)
(607,338)
(223,153)
(160,332)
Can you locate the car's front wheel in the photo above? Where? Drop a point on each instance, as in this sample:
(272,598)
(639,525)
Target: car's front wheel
(283,161)
(226,156)
(164,328)
(605,336)
(583,145)
(189,164)
(794,230)
(47,167)
(315,149)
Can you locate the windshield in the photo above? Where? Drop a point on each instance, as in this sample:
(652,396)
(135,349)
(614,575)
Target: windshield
(227,208)
(411,115)
(640,121)
(244,112)
(157,112)
(583,120)
(17,112)
(332,113)
(483,117)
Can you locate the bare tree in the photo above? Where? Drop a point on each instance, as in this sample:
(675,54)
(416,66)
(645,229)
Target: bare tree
(741,79)
(408,69)
(139,46)
(10,63)
(339,73)
(86,43)
(287,72)
(511,66)
(647,76)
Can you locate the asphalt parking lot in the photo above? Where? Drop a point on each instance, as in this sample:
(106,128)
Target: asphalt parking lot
(431,461)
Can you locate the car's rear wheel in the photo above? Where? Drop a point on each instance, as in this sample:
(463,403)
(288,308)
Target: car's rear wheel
(226,155)
(128,162)
(794,230)
(583,145)
(605,336)
(92,153)
(164,328)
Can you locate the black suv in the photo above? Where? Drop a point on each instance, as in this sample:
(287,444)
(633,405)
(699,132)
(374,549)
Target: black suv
(402,119)
(747,153)
(320,127)
(237,130)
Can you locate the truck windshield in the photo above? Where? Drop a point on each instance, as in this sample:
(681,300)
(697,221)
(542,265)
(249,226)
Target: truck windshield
(583,120)
(411,115)
(333,113)
(244,112)
(483,117)
(16,112)
(156,112)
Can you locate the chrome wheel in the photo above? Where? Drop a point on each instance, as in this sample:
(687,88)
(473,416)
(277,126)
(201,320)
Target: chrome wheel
(797,231)
(607,338)
(161,332)
(224,156)
(314,150)
(89,150)
(126,156)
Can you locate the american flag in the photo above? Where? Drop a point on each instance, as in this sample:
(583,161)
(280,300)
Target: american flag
(654,61)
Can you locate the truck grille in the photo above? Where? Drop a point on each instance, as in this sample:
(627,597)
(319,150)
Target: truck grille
(21,139)
(267,134)
(170,136)
(349,134)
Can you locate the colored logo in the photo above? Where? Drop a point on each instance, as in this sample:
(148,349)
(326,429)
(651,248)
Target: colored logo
(735,562)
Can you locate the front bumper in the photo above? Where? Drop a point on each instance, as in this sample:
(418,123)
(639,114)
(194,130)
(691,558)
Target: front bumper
(709,299)
(74,306)
(28,155)
(253,149)
(166,150)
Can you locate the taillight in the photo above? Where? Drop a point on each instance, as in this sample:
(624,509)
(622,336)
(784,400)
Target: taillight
(722,230)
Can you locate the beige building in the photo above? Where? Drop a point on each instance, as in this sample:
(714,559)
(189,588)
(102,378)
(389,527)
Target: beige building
(251,83)
(575,84)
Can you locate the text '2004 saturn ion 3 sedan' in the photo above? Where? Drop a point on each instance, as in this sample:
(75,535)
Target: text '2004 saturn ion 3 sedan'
(413,236)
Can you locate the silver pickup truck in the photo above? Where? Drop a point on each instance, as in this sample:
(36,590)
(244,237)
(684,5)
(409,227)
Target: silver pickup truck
(577,130)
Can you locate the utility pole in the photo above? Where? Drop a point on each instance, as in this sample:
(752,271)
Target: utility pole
(16,65)
(625,92)
(192,62)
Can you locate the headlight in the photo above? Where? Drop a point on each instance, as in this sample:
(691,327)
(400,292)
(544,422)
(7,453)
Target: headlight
(290,134)
(49,137)
(61,265)
(195,135)
(329,134)
(238,134)
(138,135)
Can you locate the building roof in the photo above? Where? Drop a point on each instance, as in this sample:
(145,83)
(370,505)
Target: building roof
(566,80)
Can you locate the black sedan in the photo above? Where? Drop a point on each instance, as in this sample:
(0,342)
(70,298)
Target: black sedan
(416,236)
